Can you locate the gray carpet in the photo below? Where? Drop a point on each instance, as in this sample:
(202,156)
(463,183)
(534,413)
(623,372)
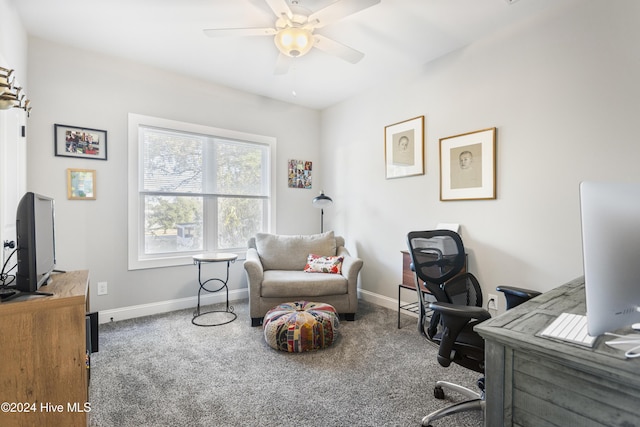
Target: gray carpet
(163,371)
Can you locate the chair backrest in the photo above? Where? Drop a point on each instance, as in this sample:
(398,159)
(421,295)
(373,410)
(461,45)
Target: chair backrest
(437,257)
(290,252)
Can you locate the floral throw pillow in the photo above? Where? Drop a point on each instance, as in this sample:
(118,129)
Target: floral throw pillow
(324,264)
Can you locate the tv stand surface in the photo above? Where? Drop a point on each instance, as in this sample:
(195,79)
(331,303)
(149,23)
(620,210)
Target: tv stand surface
(44,347)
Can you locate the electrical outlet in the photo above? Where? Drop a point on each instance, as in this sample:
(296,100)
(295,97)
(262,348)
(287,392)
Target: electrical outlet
(102,288)
(492,302)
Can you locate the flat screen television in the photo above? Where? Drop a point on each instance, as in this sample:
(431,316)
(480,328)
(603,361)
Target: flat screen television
(610,213)
(36,243)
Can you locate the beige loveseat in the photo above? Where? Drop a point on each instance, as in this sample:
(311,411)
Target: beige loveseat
(275,273)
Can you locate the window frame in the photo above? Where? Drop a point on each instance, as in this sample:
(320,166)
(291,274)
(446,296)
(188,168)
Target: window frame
(135,211)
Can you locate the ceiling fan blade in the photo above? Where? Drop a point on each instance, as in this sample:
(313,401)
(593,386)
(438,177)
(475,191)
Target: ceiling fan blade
(280,7)
(332,47)
(339,10)
(283,64)
(231,32)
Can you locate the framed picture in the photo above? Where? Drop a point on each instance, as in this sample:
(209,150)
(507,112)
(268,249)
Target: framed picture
(81,184)
(85,143)
(404,148)
(299,174)
(468,166)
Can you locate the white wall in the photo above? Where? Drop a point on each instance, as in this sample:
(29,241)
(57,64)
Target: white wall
(13,42)
(564,95)
(13,163)
(562,92)
(80,88)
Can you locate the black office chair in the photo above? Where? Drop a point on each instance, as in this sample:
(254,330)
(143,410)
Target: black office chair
(438,259)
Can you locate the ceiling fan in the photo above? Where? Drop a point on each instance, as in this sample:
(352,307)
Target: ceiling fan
(294,30)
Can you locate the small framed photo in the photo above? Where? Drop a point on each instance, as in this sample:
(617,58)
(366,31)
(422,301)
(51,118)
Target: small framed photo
(468,166)
(85,143)
(81,184)
(404,148)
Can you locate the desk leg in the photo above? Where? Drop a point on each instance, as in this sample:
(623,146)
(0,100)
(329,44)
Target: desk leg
(497,387)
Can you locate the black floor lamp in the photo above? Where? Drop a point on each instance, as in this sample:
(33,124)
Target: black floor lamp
(321,202)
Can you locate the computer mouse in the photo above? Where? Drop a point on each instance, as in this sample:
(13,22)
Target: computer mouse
(636,326)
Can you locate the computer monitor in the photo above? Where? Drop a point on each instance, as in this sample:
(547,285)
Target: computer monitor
(610,213)
(35,232)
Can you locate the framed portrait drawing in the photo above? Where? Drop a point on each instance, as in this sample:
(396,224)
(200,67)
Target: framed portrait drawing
(81,184)
(404,148)
(468,166)
(84,143)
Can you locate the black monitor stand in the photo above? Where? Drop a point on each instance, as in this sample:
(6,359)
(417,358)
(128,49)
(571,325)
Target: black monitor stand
(9,294)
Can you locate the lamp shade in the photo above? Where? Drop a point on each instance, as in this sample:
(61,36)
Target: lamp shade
(294,41)
(322,201)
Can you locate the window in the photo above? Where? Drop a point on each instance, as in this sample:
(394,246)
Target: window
(195,189)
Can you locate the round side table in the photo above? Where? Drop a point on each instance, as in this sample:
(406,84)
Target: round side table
(206,258)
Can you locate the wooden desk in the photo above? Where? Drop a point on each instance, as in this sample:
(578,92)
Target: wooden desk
(535,381)
(43,372)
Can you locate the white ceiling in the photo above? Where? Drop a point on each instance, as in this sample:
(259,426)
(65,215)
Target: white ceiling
(398,38)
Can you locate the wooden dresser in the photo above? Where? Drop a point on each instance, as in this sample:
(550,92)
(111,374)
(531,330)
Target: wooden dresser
(43,365)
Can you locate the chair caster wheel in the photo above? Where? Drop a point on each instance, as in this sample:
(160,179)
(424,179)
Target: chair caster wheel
(438,392)
(481,384)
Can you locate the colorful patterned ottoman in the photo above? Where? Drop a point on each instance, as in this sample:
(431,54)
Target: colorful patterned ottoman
(301,326)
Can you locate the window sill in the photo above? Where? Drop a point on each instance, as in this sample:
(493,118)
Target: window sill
(175,261)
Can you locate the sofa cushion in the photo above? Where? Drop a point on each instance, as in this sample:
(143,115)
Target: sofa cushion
(324,264)
(282,252)
(296,284)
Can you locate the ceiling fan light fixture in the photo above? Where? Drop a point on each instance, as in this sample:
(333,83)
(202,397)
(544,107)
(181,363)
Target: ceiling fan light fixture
(294,41)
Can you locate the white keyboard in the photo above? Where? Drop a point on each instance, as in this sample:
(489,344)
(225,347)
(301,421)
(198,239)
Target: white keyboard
(570,328)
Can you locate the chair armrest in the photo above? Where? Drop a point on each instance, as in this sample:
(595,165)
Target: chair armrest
(455,320)
(351,266)
(255,275)
(253,267)
(516,296)
(465,312)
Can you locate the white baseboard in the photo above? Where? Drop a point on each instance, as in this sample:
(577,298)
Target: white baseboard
(384,301)
(133,311)
(378,299)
